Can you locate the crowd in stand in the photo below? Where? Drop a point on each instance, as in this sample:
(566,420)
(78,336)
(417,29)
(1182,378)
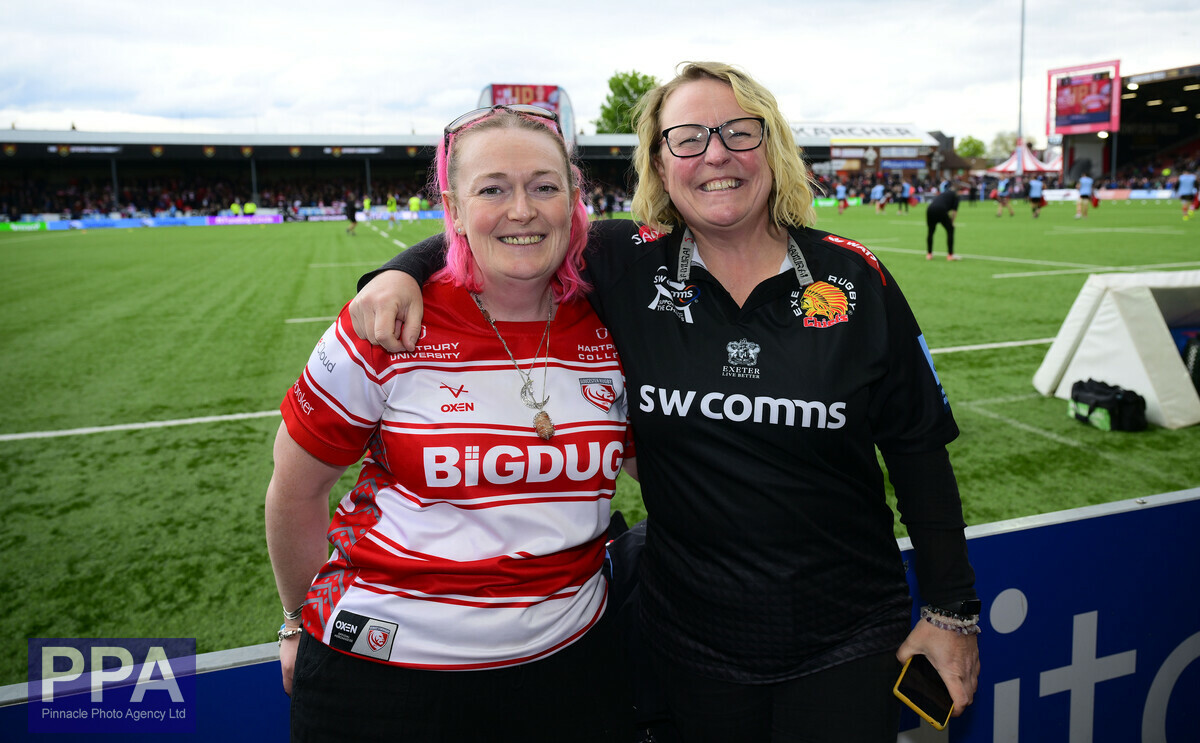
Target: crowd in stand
(84,197)
(1158,173)
(201,196)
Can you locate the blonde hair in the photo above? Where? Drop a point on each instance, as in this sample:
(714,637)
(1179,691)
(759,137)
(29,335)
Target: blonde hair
(791,200)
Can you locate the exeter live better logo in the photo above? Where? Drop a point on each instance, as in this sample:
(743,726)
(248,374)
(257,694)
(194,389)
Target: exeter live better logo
(141,685)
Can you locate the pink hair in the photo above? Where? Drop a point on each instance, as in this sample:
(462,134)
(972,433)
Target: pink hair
(567,283)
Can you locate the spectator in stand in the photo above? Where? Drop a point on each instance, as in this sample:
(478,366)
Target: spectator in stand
(1085,186)
(1036,200)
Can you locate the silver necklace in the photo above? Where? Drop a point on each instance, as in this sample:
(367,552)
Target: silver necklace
(541,421)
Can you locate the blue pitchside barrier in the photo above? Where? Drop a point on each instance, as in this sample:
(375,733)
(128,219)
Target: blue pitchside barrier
(1091,632)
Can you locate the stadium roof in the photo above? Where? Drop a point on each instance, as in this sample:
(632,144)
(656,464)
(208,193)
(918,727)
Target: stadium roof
(806,135)
(73,137)
(1166,96)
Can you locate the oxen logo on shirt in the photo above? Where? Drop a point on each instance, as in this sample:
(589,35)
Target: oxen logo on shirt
(599,391)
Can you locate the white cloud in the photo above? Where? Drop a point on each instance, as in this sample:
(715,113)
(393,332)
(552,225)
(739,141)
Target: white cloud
(379,67)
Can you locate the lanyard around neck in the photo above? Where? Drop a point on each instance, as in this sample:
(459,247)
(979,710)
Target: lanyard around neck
(687,248)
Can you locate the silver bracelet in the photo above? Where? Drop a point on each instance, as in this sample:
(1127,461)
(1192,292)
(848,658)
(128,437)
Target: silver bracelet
(293,615)
(285,632)
(956,623)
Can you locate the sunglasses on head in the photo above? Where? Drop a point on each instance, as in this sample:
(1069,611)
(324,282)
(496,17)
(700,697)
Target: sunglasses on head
(471,117)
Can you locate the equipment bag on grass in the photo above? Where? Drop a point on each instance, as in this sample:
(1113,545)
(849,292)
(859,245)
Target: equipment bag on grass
(1107,407)
(1191,360)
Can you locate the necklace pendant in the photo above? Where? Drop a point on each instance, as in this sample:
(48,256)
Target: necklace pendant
(543,425)
(527,394)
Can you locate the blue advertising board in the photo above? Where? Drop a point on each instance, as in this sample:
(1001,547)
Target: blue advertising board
(1091,632)
(893,164)
(1091,627)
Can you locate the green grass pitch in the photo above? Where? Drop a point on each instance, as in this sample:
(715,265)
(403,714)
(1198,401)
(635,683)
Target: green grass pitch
(158,532)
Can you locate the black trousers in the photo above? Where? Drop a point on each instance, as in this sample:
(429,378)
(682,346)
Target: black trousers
(848,702)
(578,694)
(934,217)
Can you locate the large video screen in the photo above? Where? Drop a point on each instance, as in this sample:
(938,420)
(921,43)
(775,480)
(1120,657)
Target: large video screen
(1084,99)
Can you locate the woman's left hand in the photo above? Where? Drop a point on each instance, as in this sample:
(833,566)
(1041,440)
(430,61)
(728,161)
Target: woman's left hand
(955,656)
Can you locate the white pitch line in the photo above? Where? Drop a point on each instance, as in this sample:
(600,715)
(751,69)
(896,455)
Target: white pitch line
(135,426)
(309,319)
(267,413)
(1116,230)
(402,245)
(994,258)
(359,264)
(990,346)
(1131,462)
(1128,269)
(40,236)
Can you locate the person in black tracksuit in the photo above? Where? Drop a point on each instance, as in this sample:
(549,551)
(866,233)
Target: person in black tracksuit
(942,210)
(773,599)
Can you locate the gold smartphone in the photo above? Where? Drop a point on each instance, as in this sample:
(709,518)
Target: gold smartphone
(922,689)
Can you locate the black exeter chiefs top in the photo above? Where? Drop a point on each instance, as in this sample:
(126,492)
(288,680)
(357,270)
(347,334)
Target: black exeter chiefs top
(770,552)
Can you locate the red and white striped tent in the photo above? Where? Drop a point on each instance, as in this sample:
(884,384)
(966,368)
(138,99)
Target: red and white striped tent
(1055,163)
(1023,161)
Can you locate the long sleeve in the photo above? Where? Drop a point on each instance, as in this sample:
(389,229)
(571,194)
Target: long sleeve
(928,500)
(420,261)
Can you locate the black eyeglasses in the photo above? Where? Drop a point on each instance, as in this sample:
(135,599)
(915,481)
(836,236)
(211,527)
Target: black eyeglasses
(738,135)
(482,113)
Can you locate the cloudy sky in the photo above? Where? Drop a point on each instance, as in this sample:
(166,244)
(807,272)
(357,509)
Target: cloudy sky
(366,67)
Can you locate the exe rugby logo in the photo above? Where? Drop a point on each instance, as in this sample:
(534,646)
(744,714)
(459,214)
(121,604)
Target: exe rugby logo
(822,304)
(599,391)
(673,296)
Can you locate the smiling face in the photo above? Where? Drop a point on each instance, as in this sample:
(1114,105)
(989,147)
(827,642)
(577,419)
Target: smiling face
(719,191)
(512,197)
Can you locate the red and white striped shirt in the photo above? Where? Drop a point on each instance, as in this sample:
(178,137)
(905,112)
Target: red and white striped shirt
(468,542)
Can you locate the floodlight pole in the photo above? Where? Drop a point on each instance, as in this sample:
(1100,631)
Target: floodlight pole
(253,181)
(1021,96)
(116,189)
